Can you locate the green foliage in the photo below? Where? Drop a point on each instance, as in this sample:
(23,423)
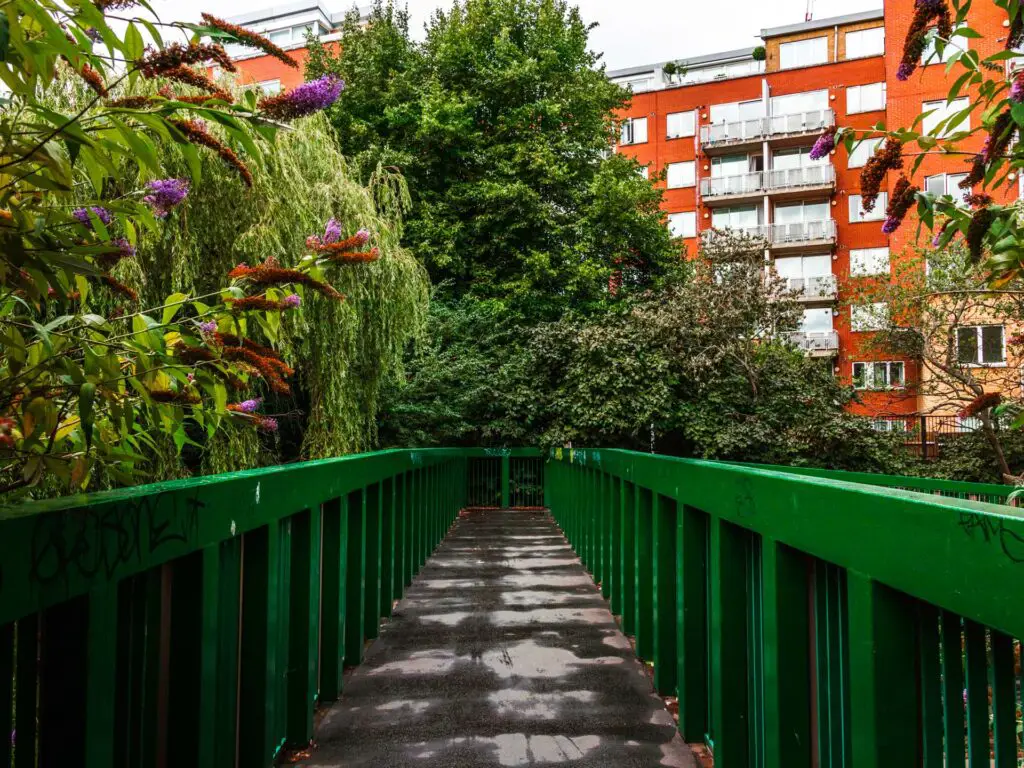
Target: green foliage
(502,121)
(971,457)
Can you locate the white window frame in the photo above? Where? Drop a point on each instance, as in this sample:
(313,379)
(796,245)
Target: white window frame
(928,56)
(867,381)
(940,111)
(870,317)
(803,53)
(688,179)
(857,100)
(859,215)
(862,152)
(980,349)
(863,34)
(629,128)
(867,262)
(950,186)
(689,219)
(686,124)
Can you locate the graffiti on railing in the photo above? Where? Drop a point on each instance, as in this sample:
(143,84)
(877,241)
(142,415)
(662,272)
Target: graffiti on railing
(994,529)
(92,542)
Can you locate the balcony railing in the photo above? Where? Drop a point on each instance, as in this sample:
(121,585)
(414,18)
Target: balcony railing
(818,285)
(794,178)
(815,341)
(801,122)
(738,184)
(740,131)
(802,231)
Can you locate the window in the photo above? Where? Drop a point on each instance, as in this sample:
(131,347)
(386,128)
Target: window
(857,213)
(883,375)
(889,425)
(803,53)
(799,157)
(865,98)
(644,171)
(737,110)
(947,184)
(865,42)
(869,317)
(941,111)
(682,174)
(980,345)
(634,130)
(869,261)
(683,224)
(637,84)
(799,213)
(810,274)
(681,124)
(738,217)
(269,87)
(861,152)
(817,320)
(798,103)
(930,54)
(735,165)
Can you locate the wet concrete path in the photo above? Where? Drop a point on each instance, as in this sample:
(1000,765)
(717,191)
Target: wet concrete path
(503,653)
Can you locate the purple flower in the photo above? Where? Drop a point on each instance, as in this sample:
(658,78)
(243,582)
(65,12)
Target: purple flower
(332,233)
(208,327)
(825,144)
(269,424)
(906,69)
(937,239)
(891,224)
(1017,88)
(363,235)
(165,194)
(126,248)
(250,406)
(94,34)
(82,214)
(315,95)
(294,300)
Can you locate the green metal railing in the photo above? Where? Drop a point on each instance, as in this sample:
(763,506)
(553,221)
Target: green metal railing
(803,619)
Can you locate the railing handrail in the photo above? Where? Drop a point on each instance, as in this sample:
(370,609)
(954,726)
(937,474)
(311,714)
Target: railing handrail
(808,175)
(802,230)
(736,183)
(757,127)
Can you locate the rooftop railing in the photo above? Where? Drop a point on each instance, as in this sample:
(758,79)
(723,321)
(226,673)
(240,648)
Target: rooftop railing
(743,131)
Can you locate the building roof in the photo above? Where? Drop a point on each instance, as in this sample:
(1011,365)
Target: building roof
(721,57)
(834,21)
(282,11)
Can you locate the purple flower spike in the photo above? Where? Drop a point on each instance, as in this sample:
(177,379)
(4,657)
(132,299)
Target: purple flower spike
(208,327)
(315,95)
(126,248)
(363,235)
(332,233)
(82,214)
(94,34)
(293,300)
(937,239)
(825,144)
(165,194)
(906,69)
(250,406)
(269,424)
(890,225)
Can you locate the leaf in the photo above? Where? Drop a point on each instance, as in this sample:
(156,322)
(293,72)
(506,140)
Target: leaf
(173,304)
(133,43)
(5,36)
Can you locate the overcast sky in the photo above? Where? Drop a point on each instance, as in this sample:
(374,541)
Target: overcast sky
(630,32)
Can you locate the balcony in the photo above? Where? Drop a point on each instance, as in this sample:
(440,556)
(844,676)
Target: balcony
(797,182)
(802,234)
(816,343)
(779,129)
(812,289)
(724,189)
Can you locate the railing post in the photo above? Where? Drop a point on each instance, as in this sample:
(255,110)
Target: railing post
(372,498)
(883,684)
(387,546)
(786,643)
(334,554)
(355,578)
(644,575)
(627,556)
(100,676)
(691,617)
(506,477)
(924,437)
(304,626)
(663,546)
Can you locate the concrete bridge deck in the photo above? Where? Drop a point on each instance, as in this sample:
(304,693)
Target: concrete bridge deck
(503,653)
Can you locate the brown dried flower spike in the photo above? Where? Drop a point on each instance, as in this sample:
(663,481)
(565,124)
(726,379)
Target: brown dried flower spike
(250,38)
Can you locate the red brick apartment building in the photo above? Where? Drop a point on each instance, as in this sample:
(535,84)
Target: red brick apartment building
(733,136)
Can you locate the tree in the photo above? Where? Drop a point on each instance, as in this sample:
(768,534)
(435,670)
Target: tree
(503,123)
(84,393)
(958,329)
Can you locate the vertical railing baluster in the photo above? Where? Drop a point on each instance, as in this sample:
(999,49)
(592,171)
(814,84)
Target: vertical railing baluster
(387,546)
(728,642)
(627,555)
(26,682)
(930,684)
(372,501)
(691,612)
(304,628)
(884,702)
(644,575)
(663,608)
(786,636)
(953,689)
(1004,701)
(399,578)
(185,671)
(332,598)
(615,548)
(977,693)
(355,578)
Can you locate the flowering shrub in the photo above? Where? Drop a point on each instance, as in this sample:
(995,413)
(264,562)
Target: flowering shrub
(89,378)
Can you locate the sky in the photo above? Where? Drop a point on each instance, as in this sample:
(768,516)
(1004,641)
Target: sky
(629,32)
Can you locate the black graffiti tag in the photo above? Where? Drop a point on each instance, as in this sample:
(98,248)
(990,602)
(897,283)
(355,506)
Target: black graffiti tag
(994,529)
